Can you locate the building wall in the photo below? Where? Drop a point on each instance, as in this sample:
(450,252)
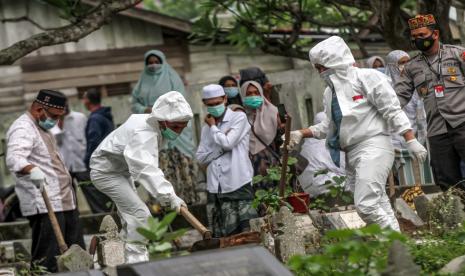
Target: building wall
(136,32)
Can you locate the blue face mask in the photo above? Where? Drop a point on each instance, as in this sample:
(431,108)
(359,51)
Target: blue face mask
(169,134)
(216,111)
(231,92)
(381,69)
(47,124)
(253,102)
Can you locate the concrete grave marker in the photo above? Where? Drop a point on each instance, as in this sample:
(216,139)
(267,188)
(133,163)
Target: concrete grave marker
(345,220)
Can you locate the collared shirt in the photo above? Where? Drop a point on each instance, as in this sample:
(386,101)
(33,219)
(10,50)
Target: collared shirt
(71,141)
(418,76)
(225,149)
(28,144)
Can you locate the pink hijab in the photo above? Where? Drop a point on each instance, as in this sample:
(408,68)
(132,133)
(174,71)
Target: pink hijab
(265,124)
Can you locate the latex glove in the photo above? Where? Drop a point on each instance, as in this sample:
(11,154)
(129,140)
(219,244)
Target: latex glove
(416,149)
(164,200)
(37,177)
(294,139)
(176,203)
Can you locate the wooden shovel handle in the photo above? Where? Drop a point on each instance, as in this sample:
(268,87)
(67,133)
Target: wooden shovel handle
(285,156)
(53,220)
(206,234)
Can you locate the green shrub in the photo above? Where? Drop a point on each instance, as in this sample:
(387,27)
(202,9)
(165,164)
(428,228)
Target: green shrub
(349,252)
(158,236)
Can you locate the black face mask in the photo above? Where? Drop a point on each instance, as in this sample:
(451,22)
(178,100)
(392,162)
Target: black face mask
(424,44)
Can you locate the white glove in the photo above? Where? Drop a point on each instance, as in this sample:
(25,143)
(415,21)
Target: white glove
(294,139)
(176,203)
(416,149)
(164,200)
(37,177)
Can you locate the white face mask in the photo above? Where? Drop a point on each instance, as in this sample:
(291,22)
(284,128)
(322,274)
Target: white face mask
(154,67)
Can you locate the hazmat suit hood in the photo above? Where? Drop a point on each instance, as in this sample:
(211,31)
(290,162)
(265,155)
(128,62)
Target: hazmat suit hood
(171,107)
(332,53)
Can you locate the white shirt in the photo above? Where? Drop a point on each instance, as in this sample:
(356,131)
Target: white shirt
(72,141)
(25,146)
(225,149)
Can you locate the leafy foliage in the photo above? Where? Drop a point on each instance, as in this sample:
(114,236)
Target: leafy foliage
(336,193)
(30,269)
(274,173)
(275,26)
(270,199)
(187,10)
(434,252)
(349,252)
(159,239)
(445,212)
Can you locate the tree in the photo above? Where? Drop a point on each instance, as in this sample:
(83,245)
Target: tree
(185,9)
(83,18)
(274,26)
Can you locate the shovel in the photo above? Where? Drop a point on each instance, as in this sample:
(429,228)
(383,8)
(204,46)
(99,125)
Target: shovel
(285,154)
(74,258)
(209,242)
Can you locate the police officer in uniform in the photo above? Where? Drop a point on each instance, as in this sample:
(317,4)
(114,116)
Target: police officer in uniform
(437,75)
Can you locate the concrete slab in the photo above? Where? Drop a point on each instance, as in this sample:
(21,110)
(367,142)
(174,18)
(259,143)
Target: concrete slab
(344,220)
(404,210)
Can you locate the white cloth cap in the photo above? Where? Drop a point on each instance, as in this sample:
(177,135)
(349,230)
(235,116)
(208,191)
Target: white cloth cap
(212,91)
(171,107)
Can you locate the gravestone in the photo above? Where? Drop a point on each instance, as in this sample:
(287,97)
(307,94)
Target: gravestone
(345,220)
(400,262)
(404,210)
(455,266)
(111,248)
(290,240)
(237,261)
(421,206)
(310,234)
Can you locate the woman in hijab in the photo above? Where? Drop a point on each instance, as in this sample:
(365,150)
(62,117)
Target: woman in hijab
(376,62)
(157,79)
(415,109)
(264,120)
(256,74)
(231,89)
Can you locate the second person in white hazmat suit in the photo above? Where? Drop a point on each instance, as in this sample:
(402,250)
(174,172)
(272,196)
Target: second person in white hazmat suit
(130,154)
(360,107)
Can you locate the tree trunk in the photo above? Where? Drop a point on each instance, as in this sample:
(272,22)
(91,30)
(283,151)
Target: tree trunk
(393,23)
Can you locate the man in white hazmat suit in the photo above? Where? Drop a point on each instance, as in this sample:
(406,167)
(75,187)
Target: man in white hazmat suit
(360,107)
(130,154)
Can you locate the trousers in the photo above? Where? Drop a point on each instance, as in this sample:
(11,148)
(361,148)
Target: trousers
(367,167)
(447,150)
(44,243)
(132,211)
